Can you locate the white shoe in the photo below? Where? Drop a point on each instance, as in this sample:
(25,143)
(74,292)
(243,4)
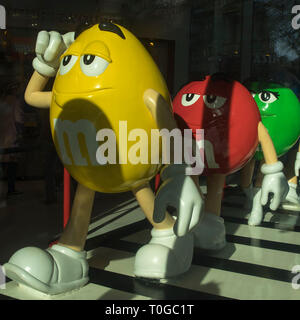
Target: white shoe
(165,256)
(210,234)
(292,200)
(256,214)
(292,195)
(52,271)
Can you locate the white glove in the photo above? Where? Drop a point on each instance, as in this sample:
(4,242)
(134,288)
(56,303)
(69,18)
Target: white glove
(297,164)
(49,47)
(179,191)
(273,182)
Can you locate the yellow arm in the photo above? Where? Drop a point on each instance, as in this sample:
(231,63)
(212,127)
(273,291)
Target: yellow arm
(34,95)
(266,144)
(160,110)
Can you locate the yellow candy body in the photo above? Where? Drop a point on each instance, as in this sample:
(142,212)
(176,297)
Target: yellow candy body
(83,104)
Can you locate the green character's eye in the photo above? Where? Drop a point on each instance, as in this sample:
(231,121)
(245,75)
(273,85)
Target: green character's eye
(267,97)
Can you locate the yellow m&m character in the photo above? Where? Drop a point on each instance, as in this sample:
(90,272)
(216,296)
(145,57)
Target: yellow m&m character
(107,86)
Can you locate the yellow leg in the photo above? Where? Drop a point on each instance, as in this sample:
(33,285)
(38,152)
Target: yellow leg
(145,198)
(215,186)
(289,168)
(293,180)
(246,174)
(259,176)
(74,235)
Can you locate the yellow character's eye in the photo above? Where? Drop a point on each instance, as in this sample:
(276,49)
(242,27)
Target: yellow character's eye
(67,63)
(92,65)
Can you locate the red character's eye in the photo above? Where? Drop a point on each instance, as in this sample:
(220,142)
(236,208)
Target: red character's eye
(214,102)
(189,98)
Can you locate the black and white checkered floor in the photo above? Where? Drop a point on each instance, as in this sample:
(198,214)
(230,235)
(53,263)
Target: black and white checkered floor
(256,263)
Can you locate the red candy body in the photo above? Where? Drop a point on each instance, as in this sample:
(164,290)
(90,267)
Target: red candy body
(229,116)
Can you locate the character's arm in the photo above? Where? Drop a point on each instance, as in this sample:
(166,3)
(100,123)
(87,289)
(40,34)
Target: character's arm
(34,95)
(266,144)
(274,181)
(178,189)
(49,47)
(160,109)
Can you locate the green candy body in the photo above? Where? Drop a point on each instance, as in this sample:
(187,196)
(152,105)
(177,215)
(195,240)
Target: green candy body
(280,113)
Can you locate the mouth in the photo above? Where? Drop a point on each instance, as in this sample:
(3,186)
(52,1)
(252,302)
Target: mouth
(268,115)
(61,98)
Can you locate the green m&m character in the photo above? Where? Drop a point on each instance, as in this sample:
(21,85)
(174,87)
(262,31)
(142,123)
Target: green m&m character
(280,113)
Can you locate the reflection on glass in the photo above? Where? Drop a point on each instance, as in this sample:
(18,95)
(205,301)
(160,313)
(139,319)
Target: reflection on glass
(276,46)
(215,38)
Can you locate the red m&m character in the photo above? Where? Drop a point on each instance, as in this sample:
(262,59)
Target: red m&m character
(227,112)
(229,116)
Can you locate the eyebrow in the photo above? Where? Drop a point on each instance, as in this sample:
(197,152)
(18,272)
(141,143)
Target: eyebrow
(276,93)
(110,27)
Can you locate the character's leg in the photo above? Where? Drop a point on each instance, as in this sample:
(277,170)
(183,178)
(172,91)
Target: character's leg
(213,200)
(75,233)
(210,232)
(289,168)
(292,200)
(246,175)
(166,255)
(64,266)
(256,214)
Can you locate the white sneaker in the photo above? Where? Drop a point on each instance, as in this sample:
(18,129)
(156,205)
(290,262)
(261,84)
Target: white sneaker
(210,234)
(292,195)
(52,271)
(292,200)
(165,256)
